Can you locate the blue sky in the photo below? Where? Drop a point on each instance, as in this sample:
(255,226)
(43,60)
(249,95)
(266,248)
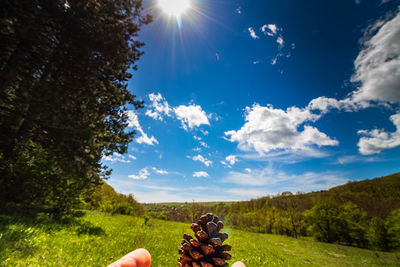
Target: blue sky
(249,98)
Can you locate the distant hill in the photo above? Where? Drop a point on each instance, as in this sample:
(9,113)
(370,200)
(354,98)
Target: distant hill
(385,187)
(377,197)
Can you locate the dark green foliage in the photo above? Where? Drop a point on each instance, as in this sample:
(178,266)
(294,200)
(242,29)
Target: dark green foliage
(393,227)
(63,91)
(325,222)
(329,222)
(377,234)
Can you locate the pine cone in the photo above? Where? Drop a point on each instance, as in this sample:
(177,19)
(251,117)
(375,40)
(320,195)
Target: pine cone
(207,249)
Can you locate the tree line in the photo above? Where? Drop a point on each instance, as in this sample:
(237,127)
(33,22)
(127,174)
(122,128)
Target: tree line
(364,214)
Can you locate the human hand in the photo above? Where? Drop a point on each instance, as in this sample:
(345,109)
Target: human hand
(142,258)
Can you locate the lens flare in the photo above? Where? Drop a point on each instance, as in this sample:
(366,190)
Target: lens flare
(174,7)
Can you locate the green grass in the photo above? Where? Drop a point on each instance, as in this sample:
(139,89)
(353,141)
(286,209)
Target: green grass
(97,239)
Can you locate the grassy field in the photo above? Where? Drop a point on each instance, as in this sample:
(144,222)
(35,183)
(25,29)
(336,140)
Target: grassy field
(96,239)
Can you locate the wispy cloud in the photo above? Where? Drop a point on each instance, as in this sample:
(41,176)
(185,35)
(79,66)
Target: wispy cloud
(247,193)
(116,157)
(142,175)
(271,181)
(159,171)
(348,159)
(230,161)
(252,33)
(133,121)
(270,29)
(202,159)
(200,174)
(158,107)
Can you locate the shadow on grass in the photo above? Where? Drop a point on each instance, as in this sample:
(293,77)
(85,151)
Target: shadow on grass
(88,228)
(18,231)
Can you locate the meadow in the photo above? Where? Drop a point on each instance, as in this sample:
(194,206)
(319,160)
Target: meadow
(97,239)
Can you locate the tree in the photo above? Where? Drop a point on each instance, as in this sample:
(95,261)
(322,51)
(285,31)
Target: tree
(354,232)
(324,221)
(378,235)
(393,227)
(63,89)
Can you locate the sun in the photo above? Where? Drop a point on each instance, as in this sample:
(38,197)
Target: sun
(174,7)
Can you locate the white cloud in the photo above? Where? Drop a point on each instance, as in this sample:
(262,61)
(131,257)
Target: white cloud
(269,29)
(142,175)
(253,33)
(163,188)
(280,41)
(132,156)
(202,159)
(239,10)
(204,132)
(374,141)
(159,107)
(248,170)
(275,181)
(231,159)
(225,164)
(191,116)
(116,157)
(256,62)
(200,174)
(163,172)
(144,139)
(197,149)
(378,64)
(343,160)
(326,104)
(133,121)
(203,144)
(248,193)
(286,156)
(267,129)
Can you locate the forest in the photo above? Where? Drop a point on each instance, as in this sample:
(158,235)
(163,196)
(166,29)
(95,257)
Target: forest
(363,214)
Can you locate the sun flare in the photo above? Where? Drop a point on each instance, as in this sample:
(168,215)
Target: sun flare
(174,7)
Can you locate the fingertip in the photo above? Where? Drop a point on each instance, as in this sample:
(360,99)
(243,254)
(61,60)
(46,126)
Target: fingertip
(137,258)
(238,264)
(142,257)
